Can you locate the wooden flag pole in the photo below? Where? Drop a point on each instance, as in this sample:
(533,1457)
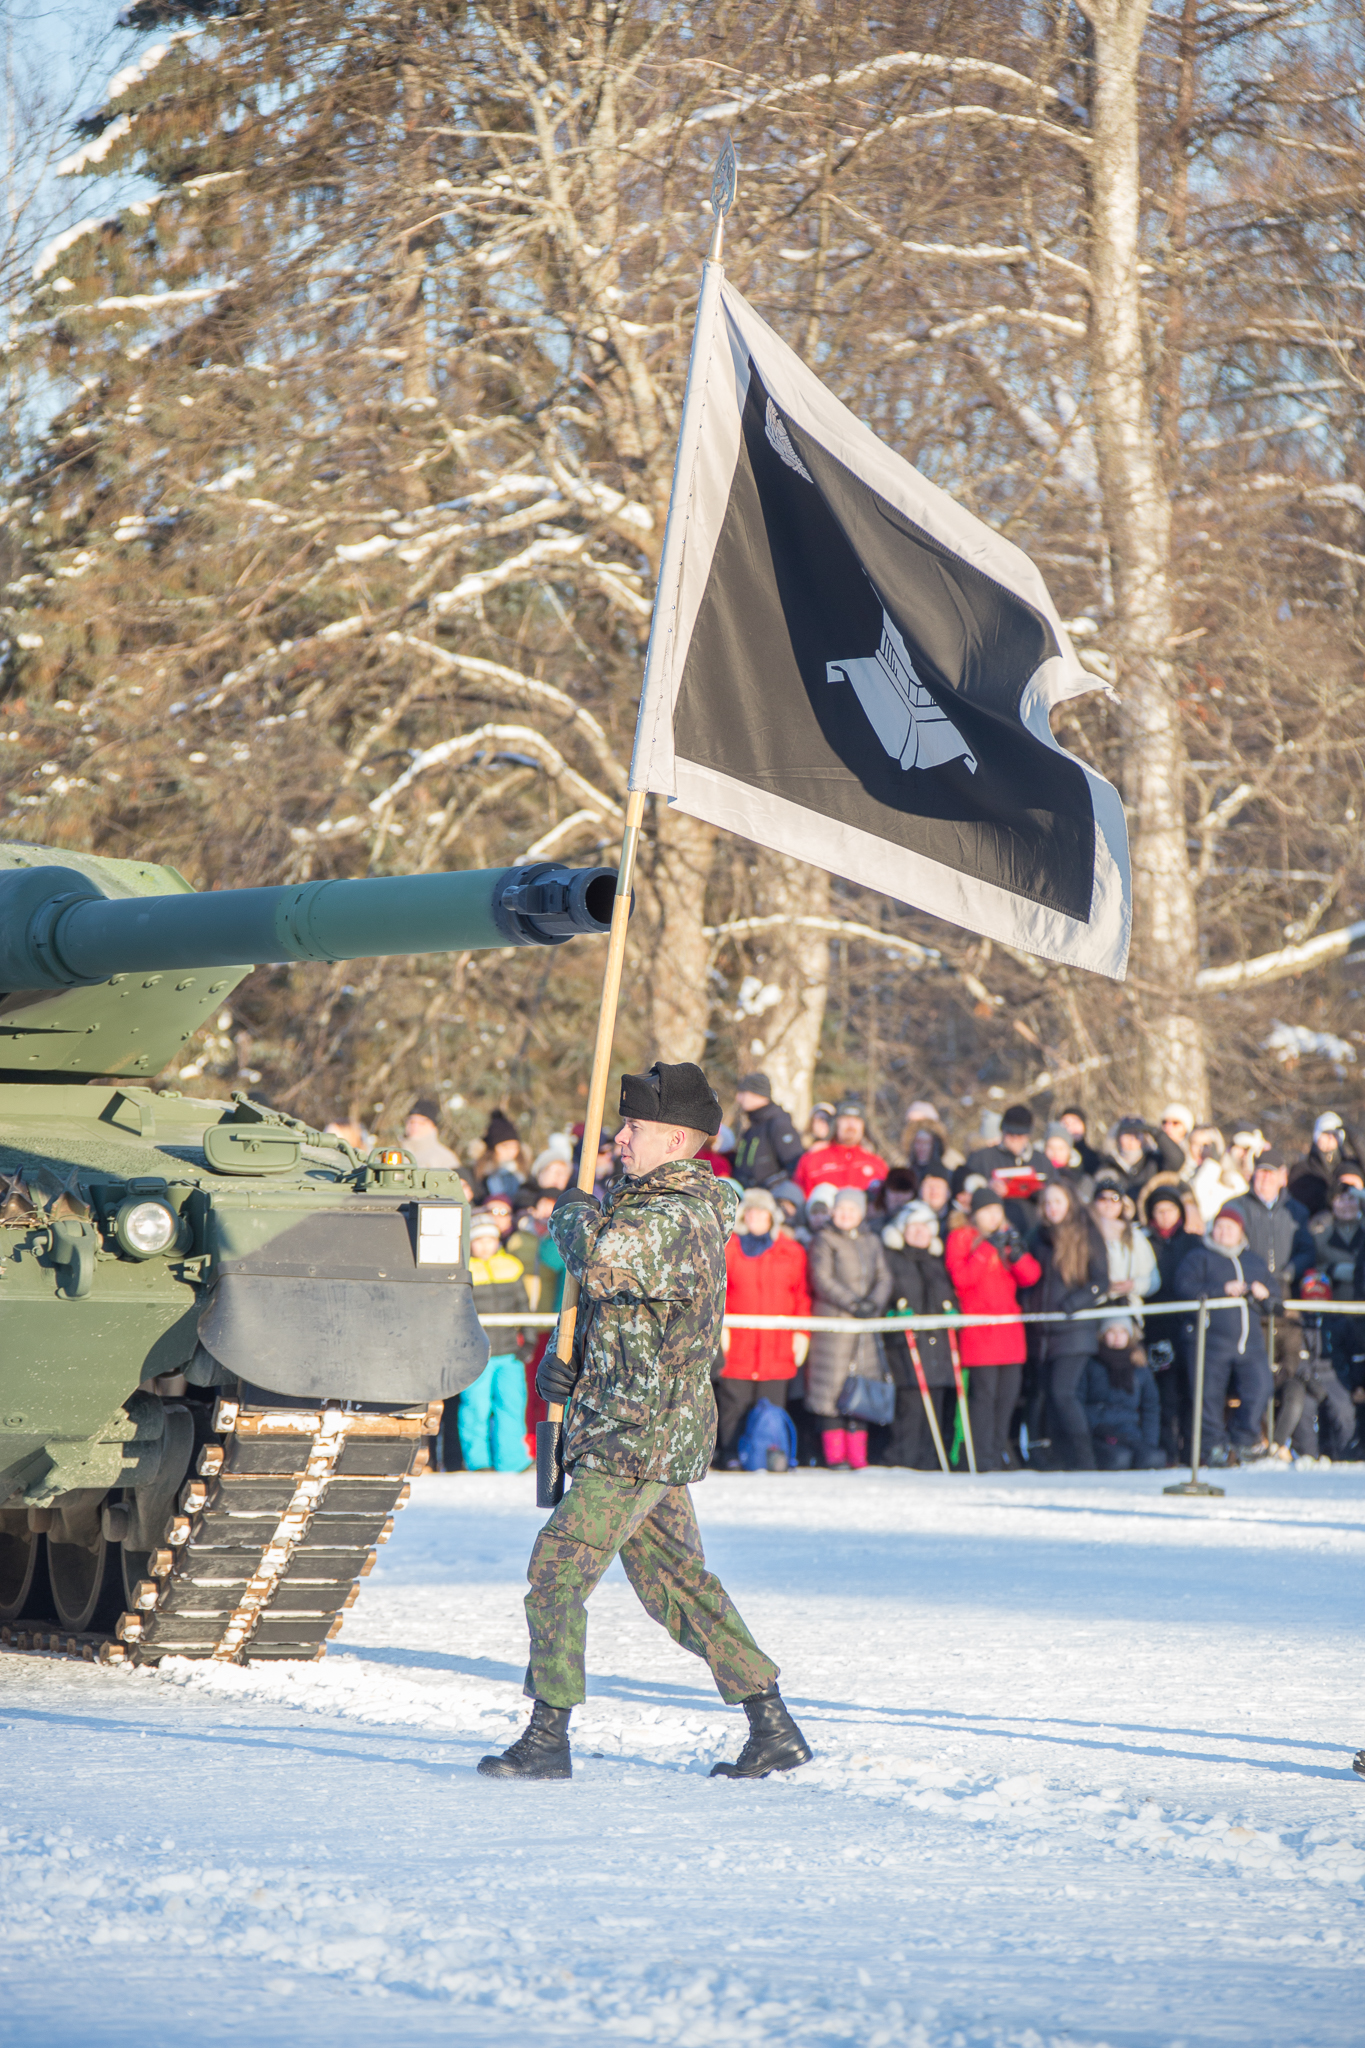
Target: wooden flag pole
(549,1434)
(549,1458)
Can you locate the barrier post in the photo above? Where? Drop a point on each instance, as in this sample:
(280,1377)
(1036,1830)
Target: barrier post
(1270,1350)
(1194,1485)
(930,1414)
(964,1418)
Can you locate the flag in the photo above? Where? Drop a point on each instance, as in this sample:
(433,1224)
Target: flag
(846,666)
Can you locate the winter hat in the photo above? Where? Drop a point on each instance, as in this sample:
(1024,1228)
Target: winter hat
(1166,1191)
(672,1094)
(1017,1120)
(1057,1131)
(427,1106)
(851,1106)
(1079,1115)
(755,1084)
(758,1198)
(916,1212)
(501,1130)
(548,1158)
(850,1198)
(483,1223)
(985,1197)
(923,1112)
(1130,1127)
(1107,1185)
(1178,1113)
(1328,1121)
(1231,1209)
(787,1191)
(823,1196)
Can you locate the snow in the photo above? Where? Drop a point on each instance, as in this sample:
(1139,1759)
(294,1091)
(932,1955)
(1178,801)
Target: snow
(96,151)
(51,252)
(1292,1042)
(1082,1776)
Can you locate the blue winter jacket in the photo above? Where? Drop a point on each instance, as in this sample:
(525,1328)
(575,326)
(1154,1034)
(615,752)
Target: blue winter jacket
(1135,1419)
(1235,1331)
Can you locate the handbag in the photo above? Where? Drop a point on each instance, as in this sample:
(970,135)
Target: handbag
(869,1397)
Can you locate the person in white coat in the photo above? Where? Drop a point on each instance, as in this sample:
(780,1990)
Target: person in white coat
(1133,1271)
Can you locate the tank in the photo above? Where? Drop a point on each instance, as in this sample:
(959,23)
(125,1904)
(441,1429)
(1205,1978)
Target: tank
(224,1335)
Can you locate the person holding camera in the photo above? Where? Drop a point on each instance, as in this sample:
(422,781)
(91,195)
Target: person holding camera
(988,1264)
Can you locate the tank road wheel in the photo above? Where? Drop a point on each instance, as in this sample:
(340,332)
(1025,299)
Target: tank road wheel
(24,1594)
(87,1583)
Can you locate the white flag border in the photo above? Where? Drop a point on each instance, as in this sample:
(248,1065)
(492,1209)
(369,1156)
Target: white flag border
(728,334)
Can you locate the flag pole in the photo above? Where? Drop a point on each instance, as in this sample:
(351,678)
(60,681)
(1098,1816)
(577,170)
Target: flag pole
(549,1434)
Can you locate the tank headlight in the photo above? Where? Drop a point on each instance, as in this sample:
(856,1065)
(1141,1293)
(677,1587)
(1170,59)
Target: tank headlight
(145,1228)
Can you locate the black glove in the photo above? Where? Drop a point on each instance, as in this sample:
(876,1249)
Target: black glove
(864,1310)
(556,1378)
(568,1196)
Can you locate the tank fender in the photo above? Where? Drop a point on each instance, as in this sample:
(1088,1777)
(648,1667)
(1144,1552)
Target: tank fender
(345,1340)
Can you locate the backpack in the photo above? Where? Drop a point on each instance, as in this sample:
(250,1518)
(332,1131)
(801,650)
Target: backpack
(767,1442)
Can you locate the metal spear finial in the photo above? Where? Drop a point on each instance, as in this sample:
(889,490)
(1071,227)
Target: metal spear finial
(724,186)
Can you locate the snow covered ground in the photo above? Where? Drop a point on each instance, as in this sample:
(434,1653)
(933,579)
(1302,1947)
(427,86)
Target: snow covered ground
(1082,1776)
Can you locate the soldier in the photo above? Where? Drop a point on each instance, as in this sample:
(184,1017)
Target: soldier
(641,1428)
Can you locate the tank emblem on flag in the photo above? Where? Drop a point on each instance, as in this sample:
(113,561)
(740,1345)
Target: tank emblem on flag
(909,723)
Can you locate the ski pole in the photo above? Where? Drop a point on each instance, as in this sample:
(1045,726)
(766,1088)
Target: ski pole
(962,1408)
(927,1399)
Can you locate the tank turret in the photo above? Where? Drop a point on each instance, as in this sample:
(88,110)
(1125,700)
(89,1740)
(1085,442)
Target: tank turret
(225,1337)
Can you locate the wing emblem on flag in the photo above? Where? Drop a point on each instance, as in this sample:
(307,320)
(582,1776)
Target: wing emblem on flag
(912,727)
(775,428)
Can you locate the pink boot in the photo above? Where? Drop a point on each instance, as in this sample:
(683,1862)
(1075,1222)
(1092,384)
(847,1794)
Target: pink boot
(834,1444)
(856,1442)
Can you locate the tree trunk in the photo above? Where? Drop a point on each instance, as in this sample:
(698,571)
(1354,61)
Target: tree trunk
(1137,517)
(679,990)
(797,961)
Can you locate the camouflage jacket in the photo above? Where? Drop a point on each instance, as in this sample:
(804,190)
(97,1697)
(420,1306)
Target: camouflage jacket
(651,1266)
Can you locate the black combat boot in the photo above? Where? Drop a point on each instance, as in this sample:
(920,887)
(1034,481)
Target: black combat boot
(775,1742)
(541,1751)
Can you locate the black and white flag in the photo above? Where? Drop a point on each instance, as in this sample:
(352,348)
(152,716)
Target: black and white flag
(848,667)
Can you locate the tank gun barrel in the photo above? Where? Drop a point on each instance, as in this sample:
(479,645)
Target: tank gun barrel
(59,930)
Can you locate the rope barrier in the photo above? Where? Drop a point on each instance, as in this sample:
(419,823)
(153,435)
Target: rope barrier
(883,1325)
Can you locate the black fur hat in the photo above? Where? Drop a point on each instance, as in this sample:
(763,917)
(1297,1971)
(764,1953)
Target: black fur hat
(672,1095)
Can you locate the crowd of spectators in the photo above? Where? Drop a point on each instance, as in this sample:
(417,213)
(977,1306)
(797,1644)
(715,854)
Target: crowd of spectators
(1098,1234)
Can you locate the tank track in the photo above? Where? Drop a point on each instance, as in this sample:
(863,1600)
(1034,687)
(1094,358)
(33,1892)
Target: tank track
(277,1525)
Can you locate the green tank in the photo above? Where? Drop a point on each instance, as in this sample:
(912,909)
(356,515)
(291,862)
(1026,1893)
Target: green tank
(224,1335)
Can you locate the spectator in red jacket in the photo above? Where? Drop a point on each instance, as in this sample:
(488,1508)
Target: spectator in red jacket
(849,1161)
(987,1264)
(765,1275)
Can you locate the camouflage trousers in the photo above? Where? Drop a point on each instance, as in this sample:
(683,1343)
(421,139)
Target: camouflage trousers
(652,1527)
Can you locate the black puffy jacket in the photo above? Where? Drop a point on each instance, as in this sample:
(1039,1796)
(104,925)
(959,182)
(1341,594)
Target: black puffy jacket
(920,1285)
(768,1150)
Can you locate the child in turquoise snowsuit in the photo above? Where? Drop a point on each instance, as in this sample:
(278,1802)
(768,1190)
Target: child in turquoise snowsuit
(493,1410)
